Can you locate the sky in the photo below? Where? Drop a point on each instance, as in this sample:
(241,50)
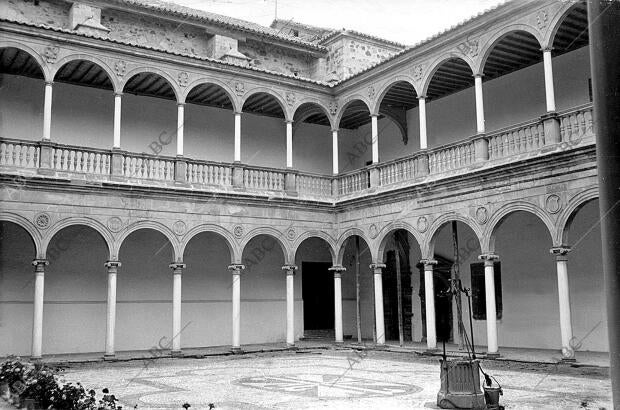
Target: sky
(403,21)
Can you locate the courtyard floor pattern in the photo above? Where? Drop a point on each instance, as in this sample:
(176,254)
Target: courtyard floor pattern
(332,379)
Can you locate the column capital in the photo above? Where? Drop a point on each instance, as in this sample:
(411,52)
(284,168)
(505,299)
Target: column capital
(40,264)
(548,48)
(118,93)
(112,264)
(177,266)
(374,115)
(335,129)
(50,83)
(421,97)
(560,252)
(428,262)
(237,112)
(478,75)
(288,121)
(180,104)
(236,268)
(337,268)
(488,257)
(290,269)
(377,267)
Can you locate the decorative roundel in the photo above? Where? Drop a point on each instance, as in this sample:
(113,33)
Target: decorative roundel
(422,224)
(553,204)
(373,231)
(115,224)
(179,228)
(291,234)
(238,231)
(482,215)
(42,221)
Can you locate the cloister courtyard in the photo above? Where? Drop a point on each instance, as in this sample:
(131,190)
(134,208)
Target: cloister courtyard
(324,377)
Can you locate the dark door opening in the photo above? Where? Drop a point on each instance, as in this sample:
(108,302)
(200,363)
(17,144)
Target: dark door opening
(318,295)
(390,295)
(443,305)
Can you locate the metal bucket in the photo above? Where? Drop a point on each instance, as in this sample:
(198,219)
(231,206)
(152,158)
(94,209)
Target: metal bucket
(491,396)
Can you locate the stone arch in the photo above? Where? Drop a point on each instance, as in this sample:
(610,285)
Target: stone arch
(498,36)
(287,114)
(272,232)
(389,229)
(386,87)
(428,246)
(235,256)
(556,21)
(43,66)
(99,63)
(317,103)
(152,70)
(340,245)
(214,81)
(567,215)
(437,63)
(156,226)
(77,221)
(348,101)
(488,237)
(29,227)
(314,234)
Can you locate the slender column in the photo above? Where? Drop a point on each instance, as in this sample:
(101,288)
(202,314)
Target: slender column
(290,304)
(47,111)
(549,89)
(180,127)
(236,305)
(375,139)
(335,152)
(338,328)
(479,104)
(177,270)
(489,292)
(377,269)
(37,321)
(566,327)
(422,112)
(429,298)
(289,144)
(237,137)
(117,120)
(111,308)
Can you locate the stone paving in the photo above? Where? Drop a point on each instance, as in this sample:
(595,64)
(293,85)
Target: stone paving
(329,379)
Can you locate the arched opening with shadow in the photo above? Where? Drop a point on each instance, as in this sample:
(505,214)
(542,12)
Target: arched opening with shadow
(17,251)
(355,137)
(399,122)
(314,293)
(83,105)
(206,302)
(357,290)
(585,278)
(149,115)
(263,131)
(144,292)
(263,291)
(450,103)
(530,316)
(209,124)
(74,313)
(22,92)
(456,250)
(312,139)
(403,290)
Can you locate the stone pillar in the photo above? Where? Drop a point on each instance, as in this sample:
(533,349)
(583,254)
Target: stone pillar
(491,312)
(422,112)
(289,144)
(290,304)
(338,328)
(117,120)
(37,321)
(481,148)
(236,306)
(551,128)
(566,327)
(429,299)
(180,128)
(375,138)
(47,111)
(180,169)
(117,163)
(479,104)
(549,89)
(111,309)
(237,156)
(377,269)
(335,152)
(177,270)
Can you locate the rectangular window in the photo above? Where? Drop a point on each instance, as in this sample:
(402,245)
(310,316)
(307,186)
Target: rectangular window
(478,295)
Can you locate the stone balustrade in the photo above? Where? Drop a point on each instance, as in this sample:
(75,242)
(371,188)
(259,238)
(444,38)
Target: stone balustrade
(572,128)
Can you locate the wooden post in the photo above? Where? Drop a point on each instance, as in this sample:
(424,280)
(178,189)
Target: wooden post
(358,313)
(399,296)
(456,275)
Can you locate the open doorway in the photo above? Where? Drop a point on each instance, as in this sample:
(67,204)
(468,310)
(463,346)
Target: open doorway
(318,297)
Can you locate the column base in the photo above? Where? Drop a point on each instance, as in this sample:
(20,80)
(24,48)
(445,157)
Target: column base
(35,358)
(109,357)
(291,346)
(430,351)
(380,346)
(236,350)
(176,353)
(569,360)
(493,355)
(339,342)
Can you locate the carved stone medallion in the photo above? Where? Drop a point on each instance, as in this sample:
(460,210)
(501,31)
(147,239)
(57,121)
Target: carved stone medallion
(42,220)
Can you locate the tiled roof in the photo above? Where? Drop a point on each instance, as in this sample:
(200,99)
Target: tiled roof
(218,19)
(363,35)
(192,56)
